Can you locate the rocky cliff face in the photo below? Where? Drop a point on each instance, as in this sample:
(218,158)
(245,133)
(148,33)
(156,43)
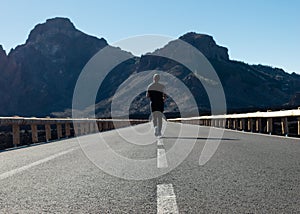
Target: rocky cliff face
(44,70)
(3,56)
(295,100)
(3,62)
(207,45)
(38,77)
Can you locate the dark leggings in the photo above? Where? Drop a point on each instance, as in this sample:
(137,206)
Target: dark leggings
(157,120)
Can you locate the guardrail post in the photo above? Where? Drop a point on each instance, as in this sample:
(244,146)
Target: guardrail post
(86,128)
(250,124)
(111,125)
(284,126)
(200,122)
(223,123)
(270,125)
(16,134)
(34,133)
(228,123)
(59,130)
(89,128)
(92,127)
(212,122)
(106,125)
(76,128)
(81,128)
(258,125)
(242,124)
(68,129)
(48,132)
(234,123)
(99,126)
(298,119)
(95,127)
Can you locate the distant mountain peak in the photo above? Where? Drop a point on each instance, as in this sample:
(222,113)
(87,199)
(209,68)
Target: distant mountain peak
(55,38)
(2,51)
(51,27)
(195,35)
(60,22)
(207,45)
(3,55)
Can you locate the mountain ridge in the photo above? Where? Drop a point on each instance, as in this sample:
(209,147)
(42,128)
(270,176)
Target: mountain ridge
(38,77)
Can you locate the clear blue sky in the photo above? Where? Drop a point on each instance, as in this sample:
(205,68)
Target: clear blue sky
(254,31)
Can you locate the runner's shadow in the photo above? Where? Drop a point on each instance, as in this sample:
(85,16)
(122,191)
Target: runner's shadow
(199,138)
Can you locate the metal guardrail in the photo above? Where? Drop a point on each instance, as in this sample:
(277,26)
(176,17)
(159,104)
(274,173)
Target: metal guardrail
(58,127)
(285,122)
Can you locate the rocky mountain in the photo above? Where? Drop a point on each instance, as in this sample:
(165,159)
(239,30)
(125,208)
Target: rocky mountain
(247,87)
(41,74)
(38,77)
(206,45)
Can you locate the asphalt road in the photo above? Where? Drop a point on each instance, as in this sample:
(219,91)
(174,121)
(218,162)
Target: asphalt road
(248,173)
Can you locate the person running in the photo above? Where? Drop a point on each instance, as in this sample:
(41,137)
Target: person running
(156,93)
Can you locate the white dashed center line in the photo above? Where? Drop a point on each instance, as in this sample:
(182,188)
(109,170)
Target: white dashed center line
(166,199)
(160,142)
(161,155)
(161,158)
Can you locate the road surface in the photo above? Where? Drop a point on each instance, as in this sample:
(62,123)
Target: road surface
(249,173)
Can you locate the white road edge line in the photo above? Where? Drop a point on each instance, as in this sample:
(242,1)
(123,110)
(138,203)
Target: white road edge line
(166,199)
(26,167)
(161,158)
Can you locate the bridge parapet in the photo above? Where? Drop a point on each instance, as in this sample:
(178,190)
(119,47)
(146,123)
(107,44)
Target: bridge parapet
(285,122)
(16,130)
